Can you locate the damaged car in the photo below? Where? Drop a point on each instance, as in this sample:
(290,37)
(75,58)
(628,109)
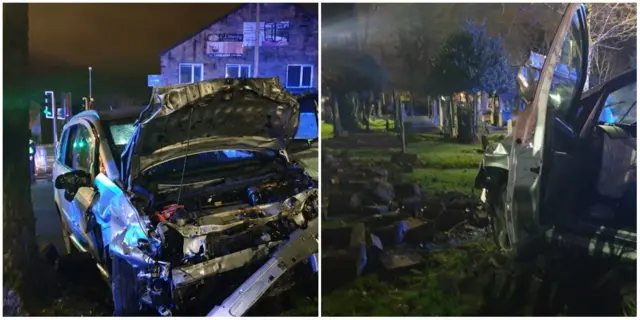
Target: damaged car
(566,177)
(207,208)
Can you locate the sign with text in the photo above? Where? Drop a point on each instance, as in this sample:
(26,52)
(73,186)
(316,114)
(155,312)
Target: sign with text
(225,45)
(249,33)
(272,34)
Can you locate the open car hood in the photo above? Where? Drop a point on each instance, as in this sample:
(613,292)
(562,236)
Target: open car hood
(246,114)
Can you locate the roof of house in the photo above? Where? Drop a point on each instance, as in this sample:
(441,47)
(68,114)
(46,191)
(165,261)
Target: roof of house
(218,20)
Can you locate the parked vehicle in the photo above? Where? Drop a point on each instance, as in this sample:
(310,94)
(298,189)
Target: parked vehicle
(565,178)
(205,203)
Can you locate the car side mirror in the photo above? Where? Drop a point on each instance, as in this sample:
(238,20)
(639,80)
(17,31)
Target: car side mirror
(70,182)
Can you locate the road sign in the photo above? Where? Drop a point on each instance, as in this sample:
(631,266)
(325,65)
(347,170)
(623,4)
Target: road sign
(154,80)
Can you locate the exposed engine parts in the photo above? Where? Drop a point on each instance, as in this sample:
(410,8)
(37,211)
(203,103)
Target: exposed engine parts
(208,236)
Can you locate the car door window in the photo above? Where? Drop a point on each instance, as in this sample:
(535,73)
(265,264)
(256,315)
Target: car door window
(63,144)
(566,78)
(620,106)
(83,150)
(68,148)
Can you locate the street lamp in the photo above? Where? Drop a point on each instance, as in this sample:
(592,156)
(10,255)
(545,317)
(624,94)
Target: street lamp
(90,95)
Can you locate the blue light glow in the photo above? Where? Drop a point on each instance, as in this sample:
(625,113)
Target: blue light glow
(607,116)
(308,127)
(237,154)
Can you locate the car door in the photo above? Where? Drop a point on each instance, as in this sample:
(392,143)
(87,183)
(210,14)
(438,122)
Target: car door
(81,157)
(59,166)
(62,165)
(541,155)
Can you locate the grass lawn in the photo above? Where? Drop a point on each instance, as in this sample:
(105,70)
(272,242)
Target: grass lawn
(444,286)
(435,288)
(326,130)
(443,180)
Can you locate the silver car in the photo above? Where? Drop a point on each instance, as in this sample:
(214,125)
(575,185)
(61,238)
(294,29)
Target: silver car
(206,207)
(565,178)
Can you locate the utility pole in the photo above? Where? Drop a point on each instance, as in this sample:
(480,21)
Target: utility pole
(90,93)
(256,52)
(402,137)
(68,112)
(55,120)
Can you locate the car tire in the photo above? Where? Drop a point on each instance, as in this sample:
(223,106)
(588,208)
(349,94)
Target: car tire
(124,288)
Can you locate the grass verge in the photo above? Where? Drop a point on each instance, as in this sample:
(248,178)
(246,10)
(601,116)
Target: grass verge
(440,287)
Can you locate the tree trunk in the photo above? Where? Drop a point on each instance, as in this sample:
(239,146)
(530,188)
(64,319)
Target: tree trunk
(467,117)
(24,269)
(347,112)
(394,103)
(337,126)
(381,103)
(454,116)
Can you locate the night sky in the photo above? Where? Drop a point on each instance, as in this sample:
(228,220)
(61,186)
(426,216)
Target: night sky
(122,42)
(122,38)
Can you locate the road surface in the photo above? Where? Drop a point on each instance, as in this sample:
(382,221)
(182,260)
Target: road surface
(47,219)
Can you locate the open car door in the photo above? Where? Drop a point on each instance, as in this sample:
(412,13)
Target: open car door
(536,162)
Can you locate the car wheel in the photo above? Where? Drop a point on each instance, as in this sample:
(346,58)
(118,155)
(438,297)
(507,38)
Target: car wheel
(126,297)
(497,200)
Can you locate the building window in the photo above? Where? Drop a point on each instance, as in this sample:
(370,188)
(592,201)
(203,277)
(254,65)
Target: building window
(190,72)
(299,76)
(238,71)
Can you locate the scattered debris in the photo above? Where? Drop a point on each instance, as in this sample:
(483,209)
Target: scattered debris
(400,257)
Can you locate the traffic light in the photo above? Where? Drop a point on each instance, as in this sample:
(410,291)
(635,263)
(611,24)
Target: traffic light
(48,104)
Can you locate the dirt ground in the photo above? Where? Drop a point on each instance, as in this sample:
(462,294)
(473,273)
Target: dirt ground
(393,260)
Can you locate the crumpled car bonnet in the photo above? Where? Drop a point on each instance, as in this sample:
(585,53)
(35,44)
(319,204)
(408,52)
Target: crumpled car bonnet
(213,114)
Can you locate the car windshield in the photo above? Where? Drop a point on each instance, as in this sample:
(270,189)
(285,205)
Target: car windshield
(620,106)
(118,134)
(198,164)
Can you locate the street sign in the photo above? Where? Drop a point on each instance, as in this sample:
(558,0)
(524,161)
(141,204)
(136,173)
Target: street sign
(154,80)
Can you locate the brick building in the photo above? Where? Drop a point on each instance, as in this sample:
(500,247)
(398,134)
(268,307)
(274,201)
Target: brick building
(225,48)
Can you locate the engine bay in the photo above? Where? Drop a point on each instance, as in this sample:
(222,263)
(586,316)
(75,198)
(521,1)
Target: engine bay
(219,230)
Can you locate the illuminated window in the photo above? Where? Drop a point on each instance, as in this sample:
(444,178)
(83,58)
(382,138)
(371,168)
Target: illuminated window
(299,76)
(190,72)
(237,71)
(82,150)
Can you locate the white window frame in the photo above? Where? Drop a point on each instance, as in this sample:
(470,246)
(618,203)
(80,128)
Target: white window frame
(192,65)
(239,66)
(302,66)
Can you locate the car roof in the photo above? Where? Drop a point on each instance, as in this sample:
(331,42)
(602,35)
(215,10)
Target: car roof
(120,113)
(115,114)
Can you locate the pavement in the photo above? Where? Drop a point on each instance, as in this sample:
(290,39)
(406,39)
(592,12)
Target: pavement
(48,229)
(421,124)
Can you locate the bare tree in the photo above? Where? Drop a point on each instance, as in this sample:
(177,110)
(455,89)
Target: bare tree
(610,26)
(604,64)
(531,28)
